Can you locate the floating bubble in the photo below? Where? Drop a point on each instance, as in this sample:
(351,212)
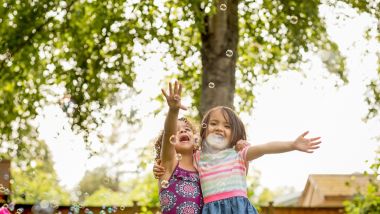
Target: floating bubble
(178,156)
(211,85)
(229,53)
(164,184)
(293,19)
(172,139)
(197,146)
(204,125)
(11,206)
(102,212)
(44,204)
(110,210)
(6,176)
(86,210)
(122,208)
(20,210)
(176,97)
(223,7)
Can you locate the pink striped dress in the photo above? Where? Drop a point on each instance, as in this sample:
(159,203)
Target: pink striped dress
(223,176)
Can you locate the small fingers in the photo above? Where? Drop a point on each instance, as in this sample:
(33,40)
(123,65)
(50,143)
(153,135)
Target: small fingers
(175,87)
(315,138)
(315,143)
(180,89)
(304,134)
(164,93)
(170,89)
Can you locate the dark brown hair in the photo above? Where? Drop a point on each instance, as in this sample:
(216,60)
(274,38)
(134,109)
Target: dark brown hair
(237,126)
(157,144)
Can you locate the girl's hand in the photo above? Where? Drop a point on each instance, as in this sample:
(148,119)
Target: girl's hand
(241,144)
(174,97)
(158,170)
(306,144)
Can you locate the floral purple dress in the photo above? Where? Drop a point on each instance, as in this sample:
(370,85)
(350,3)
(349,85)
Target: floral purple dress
(183,194)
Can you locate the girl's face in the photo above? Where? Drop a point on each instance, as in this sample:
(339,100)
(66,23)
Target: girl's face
(219,125)
(185,137)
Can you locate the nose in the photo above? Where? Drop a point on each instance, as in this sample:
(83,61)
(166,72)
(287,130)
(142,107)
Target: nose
(219,128)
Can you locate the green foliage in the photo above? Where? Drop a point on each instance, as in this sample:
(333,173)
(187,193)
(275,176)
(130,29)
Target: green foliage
(97,179)
(143,190)
(35,184)
(32,173)
(89,49)
(144,186)
(104,196)
(369,201)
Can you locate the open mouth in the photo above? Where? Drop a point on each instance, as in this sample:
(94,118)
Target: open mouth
(184,138)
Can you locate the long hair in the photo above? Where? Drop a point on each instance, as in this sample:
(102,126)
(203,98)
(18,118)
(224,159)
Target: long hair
(157,144)
(237,126)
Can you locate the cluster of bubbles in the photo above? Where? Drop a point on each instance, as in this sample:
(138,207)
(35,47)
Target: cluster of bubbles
(75,209)
(11,207)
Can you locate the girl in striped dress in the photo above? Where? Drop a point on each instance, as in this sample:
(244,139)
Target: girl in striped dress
(222,170)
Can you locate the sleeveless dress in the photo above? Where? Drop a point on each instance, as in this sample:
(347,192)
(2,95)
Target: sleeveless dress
(183,194)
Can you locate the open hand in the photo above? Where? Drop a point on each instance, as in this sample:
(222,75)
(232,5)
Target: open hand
(306,144)
(174,97)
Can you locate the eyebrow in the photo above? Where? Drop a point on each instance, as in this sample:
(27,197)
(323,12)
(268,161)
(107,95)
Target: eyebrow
(215,120)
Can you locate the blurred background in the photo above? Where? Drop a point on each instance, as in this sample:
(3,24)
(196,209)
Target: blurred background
(81,106)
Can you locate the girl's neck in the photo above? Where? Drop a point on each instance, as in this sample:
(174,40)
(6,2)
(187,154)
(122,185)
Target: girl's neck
(186,162)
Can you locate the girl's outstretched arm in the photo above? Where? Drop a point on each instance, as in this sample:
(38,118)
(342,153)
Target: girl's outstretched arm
(173,100)
(301,144)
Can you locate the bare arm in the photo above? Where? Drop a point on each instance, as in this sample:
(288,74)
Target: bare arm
(170,126)
(301,144)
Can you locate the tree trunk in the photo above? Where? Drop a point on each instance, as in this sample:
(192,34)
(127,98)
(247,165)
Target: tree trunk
(218,40)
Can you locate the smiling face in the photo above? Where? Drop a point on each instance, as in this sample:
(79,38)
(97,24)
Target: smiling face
(224,121)
(219,125)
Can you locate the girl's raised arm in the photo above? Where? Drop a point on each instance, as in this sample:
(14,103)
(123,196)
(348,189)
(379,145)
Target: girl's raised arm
(301,144)
(173,100)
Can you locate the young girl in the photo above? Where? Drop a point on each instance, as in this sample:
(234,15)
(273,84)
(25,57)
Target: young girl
(222,170)
(180,190)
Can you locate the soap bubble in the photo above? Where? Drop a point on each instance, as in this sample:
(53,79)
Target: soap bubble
(164,184)
(293,19)
(223,7)
(173,139)
(229,53)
